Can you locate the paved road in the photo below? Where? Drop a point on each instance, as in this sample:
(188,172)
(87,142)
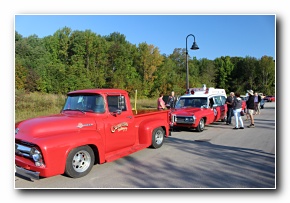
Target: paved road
(218,157)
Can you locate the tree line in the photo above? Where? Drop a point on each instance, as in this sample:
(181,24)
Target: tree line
(69,60)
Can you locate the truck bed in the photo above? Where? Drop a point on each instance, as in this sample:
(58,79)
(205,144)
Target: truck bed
(144,111)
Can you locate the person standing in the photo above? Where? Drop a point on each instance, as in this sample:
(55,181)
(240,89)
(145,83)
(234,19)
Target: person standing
(251,107)
(256,102)
(258,99)
(246,109)
(229,102)
(171,101)
(160,102)
(237,108)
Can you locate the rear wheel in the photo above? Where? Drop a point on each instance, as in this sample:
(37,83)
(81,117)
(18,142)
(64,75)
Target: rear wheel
(200,126)
(157,137)
(79,162)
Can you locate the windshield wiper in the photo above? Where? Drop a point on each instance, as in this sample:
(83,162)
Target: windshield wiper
(75,110)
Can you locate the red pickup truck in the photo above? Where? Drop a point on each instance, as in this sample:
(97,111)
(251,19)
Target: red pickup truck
(95,126)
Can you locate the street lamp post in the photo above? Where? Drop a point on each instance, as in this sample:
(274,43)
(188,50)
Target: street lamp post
(193,47)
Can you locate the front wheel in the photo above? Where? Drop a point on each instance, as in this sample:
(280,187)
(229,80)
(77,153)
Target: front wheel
(79,162)
(200,126)
(157,137)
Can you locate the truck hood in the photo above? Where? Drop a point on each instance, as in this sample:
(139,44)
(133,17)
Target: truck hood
(52,125)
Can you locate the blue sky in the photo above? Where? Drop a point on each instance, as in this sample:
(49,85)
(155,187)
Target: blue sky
(216,35)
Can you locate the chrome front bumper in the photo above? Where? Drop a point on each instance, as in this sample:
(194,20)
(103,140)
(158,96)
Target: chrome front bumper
(26,173)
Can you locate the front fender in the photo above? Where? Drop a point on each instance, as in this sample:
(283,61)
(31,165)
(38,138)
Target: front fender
(55,151)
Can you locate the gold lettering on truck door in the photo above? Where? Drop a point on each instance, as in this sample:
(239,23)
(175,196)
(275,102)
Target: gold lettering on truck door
(119,127)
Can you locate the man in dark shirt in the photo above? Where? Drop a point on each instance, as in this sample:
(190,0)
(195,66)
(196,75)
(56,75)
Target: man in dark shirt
(251,107)
(171,101)
(229,102)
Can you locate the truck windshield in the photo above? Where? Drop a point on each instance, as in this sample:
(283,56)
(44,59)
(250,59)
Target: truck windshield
(85,103)
(188,102)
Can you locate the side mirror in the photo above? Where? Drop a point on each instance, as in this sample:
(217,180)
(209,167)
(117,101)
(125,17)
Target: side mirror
(121,102)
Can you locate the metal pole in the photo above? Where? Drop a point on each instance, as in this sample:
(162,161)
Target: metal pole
(186,55)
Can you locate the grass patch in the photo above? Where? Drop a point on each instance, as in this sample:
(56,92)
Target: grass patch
(144,103)
(30,105)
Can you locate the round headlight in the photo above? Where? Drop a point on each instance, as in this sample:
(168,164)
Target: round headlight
(35,154)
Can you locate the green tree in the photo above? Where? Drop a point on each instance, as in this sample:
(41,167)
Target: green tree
(63,37)
(178,58)
(70,60)
(207,72)
(224,68)
(99,77)
(266,75)
(239,78)
(55,71)
(20,76)
(248,70)
(148,62)
(120,72)
(166,79)
(30,55)
(194,73)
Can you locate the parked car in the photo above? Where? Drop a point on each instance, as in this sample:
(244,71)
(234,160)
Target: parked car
(199,107)
(269,98)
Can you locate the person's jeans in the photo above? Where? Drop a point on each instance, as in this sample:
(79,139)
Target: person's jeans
(238,118)
(229,115)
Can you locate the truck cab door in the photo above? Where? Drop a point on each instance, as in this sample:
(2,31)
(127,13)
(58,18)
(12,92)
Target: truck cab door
(119,124)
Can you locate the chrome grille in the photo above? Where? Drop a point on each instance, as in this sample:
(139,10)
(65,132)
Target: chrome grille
(22,150)
(185,119)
